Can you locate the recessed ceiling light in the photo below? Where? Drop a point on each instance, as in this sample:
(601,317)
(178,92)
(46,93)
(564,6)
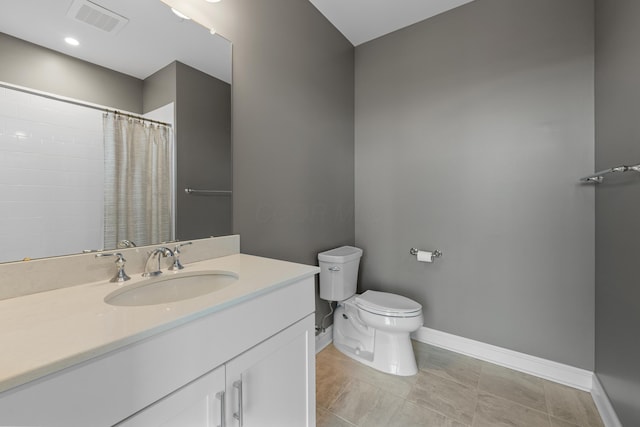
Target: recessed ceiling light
(180,15)
(71,41)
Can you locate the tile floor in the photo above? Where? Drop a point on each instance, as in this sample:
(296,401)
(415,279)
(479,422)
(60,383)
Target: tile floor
(449,390)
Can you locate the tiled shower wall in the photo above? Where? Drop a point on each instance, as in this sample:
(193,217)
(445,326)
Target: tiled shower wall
(51,175)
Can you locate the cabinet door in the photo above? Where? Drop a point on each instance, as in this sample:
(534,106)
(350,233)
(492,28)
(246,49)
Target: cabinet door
(273,384)
(197,404)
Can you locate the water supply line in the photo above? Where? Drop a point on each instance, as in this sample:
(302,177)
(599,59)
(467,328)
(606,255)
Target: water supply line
(321,329)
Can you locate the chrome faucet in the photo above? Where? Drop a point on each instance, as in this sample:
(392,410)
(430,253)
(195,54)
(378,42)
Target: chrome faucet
(177,265)
(120,276)
(161,252)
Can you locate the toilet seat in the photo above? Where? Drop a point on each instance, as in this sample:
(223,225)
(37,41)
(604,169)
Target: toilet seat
(387,304)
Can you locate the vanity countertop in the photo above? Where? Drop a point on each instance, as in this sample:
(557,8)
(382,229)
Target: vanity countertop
(46,332)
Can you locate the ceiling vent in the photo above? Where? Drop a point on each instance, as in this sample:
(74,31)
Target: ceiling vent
(96,16)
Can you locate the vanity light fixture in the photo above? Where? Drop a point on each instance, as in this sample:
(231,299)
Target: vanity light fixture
(212,1)
(71,41)
(180,15)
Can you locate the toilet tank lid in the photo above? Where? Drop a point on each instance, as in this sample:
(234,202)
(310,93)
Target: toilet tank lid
(340,255)
(383,301)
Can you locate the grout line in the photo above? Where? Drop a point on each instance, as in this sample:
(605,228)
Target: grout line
(439,375)
(343,419)
(339,417)
(515,403)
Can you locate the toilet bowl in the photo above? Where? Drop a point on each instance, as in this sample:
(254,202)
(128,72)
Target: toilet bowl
(378,336)
(373,327)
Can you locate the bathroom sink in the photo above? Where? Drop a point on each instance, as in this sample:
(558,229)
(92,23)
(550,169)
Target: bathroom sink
(171,288)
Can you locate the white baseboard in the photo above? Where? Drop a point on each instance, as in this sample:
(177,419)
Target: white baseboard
(543,368)
(323,339)
(607,413)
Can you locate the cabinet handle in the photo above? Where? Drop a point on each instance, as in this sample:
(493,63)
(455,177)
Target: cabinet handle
(220,397)
(238,415)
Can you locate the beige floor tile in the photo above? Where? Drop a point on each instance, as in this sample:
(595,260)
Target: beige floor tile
(444,393)
(384,412)
(447,364)
(410,415)
(516,386)
(493,411)
(328,389)
(559,423)
(325,418)
(393,384)
(356,401)
(332,375)
(450,398)
(332,351)
(571,405)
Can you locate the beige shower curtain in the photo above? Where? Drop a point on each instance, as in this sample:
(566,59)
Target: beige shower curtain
(137,202)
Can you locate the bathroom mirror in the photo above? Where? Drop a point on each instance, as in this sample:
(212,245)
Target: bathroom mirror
(171,66)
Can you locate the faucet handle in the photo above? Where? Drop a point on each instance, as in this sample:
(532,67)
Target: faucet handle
(177,265)
(120,276)
(179,245)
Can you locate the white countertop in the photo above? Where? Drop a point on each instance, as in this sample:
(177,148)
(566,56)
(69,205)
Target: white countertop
(45,332)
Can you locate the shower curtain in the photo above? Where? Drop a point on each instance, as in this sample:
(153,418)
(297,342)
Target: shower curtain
(137,192)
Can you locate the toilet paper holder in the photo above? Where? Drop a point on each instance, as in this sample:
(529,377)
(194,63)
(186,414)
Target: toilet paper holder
(436,253)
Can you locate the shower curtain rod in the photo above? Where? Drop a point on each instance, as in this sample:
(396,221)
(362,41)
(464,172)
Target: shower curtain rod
(80,103)
(133,116)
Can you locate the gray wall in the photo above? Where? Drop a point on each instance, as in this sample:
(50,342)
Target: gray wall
(203,145)
(618,205)
(29,65)
(159,89)
(472,129)
(293,150)
(203,153)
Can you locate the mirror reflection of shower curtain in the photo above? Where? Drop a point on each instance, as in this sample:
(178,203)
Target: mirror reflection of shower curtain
(137,203)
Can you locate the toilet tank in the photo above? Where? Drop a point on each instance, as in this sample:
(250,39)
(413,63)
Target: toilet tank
(339,272)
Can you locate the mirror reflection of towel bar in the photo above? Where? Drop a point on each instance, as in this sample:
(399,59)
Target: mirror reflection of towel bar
(598,177)
(208,192)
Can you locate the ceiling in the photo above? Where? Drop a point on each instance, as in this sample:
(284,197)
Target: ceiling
(152,38)
(363,20)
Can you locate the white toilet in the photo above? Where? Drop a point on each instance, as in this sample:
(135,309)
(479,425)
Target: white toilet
(372,328)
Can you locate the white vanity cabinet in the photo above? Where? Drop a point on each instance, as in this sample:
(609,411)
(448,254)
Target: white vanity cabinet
(272,385)
(198,404)
(268,385)
(174,375)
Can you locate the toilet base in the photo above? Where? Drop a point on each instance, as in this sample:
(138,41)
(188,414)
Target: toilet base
(391,353)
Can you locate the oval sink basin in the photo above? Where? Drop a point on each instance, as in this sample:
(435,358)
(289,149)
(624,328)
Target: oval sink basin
(171,288)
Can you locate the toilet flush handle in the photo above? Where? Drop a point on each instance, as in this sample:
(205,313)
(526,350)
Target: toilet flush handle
(334,268)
